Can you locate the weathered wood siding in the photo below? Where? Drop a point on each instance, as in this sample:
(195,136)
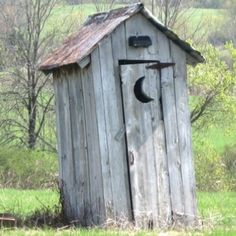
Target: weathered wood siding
(179,181)
(80,167)
(184,133)
(138,25)
(118,158)
(146,147)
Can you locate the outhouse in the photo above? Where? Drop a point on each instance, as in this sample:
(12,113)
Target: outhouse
(123,123)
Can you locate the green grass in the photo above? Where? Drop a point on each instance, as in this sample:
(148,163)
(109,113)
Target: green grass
(217,211)
(81,232)
(218,137)
(198,14)
(218,208)
(26,202)
(221,138)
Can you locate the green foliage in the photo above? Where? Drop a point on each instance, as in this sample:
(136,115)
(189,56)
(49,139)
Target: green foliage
(229,161)
(214,161)
(212,88)
(21,168)
(209,170)
(25,202)
(213,115)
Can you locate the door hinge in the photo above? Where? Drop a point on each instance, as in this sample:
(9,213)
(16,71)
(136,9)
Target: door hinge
(160,65)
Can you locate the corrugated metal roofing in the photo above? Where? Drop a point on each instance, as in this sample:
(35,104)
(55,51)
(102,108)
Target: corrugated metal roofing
(80,45)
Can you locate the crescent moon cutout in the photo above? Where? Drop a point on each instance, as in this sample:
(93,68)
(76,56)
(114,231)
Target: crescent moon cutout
(139,93)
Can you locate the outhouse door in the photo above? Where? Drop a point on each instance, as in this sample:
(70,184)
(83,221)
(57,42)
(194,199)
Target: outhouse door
(145,138)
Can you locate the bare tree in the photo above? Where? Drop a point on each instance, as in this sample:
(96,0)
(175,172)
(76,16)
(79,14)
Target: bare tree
(25,41)
(168,11)
(177,14)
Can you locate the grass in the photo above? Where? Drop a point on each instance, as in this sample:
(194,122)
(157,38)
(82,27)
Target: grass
(198,14)
(26,202)
(221,139)
(218,137)
(216,209)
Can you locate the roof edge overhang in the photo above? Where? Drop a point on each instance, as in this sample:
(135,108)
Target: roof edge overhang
(193,56)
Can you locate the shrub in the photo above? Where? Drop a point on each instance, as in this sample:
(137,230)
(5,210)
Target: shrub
(213,172)
(229,161)
(21,168)
(210,174)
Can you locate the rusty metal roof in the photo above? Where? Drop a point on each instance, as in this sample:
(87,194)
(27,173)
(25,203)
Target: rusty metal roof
(97,26)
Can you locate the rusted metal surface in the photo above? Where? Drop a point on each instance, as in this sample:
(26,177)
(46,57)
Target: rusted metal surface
(160,65)
(98,26)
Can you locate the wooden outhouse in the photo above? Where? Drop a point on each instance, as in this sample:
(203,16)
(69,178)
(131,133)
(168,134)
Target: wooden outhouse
(123,123)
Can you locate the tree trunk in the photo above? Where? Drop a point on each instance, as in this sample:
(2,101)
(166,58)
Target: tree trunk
(31,130)
(32,111)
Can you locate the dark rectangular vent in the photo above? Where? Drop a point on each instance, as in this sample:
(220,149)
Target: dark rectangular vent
(140,41)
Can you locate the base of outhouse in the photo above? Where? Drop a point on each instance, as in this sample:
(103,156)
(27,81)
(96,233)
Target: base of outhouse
(72,216)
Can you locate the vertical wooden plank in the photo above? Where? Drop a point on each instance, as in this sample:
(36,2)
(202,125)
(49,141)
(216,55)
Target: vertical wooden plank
(136,166)
(102,132)
(95,171)
(66,155)
(58,104)
(118,43)
(150,160)
(171,133)
(184,132)
(79,147)
(114,123)
(160,160)
(132,119)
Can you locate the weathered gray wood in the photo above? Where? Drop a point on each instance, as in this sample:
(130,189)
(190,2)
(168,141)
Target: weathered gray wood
(102,132)
(171,132)
(184,132)
(60,120)
(157,197)
(58,104)
(119,52)
(81,184)
(64,137)
(84,62)
(132,112)
(159,52)
(160,162)
(133,142)
(150,160)
(114,122)
(141,138)
(139,25)
(92,146)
